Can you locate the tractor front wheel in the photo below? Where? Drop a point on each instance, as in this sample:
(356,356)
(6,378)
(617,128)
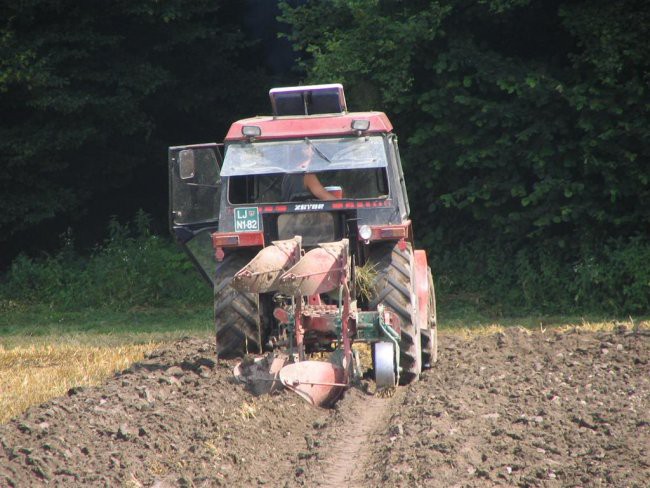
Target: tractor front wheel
(236,314)
(392,287)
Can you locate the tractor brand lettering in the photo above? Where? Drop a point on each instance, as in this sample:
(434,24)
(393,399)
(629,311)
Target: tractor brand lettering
(247,219)
(309,206)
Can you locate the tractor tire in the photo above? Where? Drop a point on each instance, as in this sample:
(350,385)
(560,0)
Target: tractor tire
(392,287)
(236,314)
(430,334)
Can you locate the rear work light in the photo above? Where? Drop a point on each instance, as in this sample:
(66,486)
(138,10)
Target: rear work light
(251,131)
(365,232)
(382,232)
(360,126)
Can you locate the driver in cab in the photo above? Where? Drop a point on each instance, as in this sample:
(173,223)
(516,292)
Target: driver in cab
(304,185)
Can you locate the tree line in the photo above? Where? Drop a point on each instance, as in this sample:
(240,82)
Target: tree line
(92,94)
(525,127)
(523,123)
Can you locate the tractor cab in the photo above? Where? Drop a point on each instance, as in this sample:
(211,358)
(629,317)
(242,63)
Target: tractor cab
(254,194)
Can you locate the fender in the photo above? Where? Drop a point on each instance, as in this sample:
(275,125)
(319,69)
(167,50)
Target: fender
(421,286)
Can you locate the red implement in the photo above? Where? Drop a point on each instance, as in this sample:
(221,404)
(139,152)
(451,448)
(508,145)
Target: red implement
(262,273)
(320,270)
(320,383)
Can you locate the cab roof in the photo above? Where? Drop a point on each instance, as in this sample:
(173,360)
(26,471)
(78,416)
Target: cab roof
(321,125)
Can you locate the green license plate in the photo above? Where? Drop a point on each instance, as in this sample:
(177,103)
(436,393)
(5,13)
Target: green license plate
(247,219)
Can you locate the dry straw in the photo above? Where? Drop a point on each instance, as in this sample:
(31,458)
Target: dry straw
(34,374)
(364,278)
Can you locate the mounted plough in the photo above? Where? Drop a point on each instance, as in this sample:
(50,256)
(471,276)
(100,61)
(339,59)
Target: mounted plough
(311,325)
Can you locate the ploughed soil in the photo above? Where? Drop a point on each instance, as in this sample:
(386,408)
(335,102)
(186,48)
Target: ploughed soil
(512,409)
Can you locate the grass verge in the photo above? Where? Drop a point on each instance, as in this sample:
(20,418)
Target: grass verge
(44,352)
(34,374)
(470,322)
(42,325)
(465,318)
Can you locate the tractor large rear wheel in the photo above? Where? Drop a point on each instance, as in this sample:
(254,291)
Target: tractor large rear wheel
(392,287)
(236,314)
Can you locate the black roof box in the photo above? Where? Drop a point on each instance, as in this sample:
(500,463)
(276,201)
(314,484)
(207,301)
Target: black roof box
(308,100)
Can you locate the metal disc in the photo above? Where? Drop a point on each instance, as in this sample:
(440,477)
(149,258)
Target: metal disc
(384,364)
(318,382)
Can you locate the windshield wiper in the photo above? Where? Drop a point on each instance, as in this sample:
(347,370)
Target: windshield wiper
(318,151)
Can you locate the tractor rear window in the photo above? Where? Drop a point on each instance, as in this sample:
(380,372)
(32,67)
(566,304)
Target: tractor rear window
(314,227)
(267,188)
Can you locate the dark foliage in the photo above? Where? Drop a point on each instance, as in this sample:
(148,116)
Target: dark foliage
(131,268)
(524,124)
(93,93)
(526,127)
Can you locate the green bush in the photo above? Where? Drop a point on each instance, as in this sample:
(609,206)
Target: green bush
(546,278)
(616,277)
(134,268)
(131,268)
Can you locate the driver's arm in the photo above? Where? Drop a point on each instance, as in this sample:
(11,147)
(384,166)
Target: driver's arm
(313,184)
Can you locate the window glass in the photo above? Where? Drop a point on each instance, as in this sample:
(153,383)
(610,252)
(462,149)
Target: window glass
(314,227)
(355,183)
(195,193)
(304,156)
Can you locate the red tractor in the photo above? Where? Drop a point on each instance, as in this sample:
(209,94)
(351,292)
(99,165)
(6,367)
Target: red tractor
(303,268)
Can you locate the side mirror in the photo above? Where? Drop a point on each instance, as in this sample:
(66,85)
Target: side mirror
(186,164)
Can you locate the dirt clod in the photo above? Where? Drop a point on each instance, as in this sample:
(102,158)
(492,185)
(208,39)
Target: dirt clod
(515,409)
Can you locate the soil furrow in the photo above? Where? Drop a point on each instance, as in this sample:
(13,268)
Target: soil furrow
(511,409)
(345,458)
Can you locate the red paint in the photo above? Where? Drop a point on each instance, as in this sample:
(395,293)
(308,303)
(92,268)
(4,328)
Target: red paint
(393,320)
(318,271)
(391,232)
(350,204)
(219,254)
(261,273)
(318,382)
(237,239)
(292,127)
(421,286)
(281,315)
